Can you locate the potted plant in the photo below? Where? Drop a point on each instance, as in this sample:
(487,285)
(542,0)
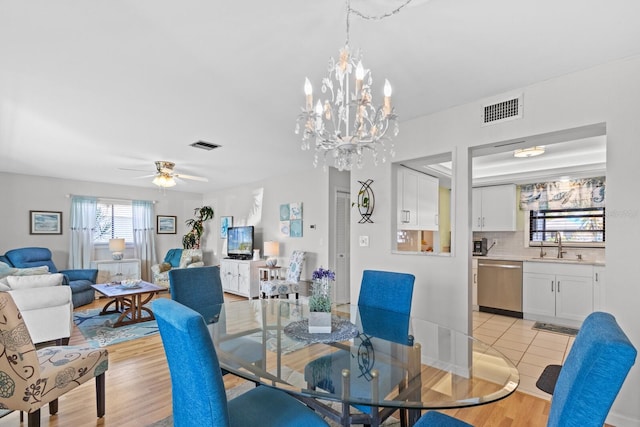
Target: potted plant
(191,240)
(320,301)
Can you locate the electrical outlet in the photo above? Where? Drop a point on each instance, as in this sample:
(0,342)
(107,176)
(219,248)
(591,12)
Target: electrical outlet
(364,240)
(494,242)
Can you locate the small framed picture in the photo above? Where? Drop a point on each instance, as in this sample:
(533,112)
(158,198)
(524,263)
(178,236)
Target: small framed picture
(166,224)
(45,222)
(225,223)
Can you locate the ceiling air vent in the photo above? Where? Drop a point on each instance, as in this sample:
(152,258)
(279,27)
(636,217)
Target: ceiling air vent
(509,109)
(204,145)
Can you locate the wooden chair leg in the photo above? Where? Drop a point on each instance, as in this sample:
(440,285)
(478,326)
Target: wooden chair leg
(33,418)
(100,387)
(53,407)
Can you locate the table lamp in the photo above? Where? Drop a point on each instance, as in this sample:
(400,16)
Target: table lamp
(116,246)
(271,251)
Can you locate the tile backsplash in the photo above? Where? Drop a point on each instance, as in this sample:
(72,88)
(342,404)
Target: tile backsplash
(511,243)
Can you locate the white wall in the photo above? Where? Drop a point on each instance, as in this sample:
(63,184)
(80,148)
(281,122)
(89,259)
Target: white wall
(22,193)
(609,94)
(312,190)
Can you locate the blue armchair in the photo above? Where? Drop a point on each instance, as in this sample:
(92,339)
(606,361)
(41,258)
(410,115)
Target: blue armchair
(198,391)
(79,280)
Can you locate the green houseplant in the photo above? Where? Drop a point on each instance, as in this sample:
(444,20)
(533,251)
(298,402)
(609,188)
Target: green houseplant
(191,240)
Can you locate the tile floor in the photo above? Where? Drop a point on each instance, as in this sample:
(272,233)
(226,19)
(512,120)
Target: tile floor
(530,350)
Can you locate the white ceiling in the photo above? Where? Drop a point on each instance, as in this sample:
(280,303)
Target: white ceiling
(90,87)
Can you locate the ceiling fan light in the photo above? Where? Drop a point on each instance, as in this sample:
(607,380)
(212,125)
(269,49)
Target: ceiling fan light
(164,181)
(529,152)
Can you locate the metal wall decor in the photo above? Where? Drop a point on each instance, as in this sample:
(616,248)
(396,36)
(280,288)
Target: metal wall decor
(366,201)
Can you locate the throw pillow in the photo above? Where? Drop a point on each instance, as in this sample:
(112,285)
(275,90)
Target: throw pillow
(165,266)
(4,285)
(37,281)
(32,271)
(6,270)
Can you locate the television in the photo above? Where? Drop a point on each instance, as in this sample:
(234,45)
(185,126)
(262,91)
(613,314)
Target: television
(240,242)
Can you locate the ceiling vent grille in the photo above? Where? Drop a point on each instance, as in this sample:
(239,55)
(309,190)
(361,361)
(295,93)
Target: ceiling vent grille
(498,112)
(204,145)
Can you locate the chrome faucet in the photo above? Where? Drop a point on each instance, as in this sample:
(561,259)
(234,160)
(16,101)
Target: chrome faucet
(559,240)
(542,254)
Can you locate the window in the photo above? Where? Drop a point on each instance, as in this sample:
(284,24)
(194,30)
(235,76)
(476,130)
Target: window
(113,219)
(584,226)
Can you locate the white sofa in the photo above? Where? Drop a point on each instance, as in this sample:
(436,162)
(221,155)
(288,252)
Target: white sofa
(45,305)
(175,258)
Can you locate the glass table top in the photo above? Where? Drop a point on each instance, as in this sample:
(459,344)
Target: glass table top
(386,359)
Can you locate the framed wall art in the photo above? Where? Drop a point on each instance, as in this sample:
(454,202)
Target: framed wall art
(166,224)
(45,222)
(225,223)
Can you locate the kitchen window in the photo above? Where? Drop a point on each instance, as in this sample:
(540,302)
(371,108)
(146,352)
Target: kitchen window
(576,227)
(113,219)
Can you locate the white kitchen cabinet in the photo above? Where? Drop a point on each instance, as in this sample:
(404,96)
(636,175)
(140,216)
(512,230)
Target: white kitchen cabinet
(598,287)
(494,208)
(417,200)
(111,270)
(554,291)
(240,277)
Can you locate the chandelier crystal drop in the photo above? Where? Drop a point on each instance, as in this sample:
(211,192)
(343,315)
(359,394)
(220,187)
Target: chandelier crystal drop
(344,122)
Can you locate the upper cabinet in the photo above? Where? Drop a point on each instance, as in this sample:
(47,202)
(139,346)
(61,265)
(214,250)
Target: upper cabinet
(417,200)
(494,208)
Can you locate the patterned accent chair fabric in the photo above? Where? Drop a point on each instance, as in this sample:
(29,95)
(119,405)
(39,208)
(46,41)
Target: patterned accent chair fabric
(175,258)
(289,285)
(30,378)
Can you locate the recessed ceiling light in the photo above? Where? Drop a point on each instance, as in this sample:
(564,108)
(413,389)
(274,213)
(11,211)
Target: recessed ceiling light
(529,152)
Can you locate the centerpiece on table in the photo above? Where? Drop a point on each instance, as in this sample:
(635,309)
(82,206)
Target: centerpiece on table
(320,301)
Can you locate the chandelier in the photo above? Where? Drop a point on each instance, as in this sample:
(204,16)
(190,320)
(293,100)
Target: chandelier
(346,123)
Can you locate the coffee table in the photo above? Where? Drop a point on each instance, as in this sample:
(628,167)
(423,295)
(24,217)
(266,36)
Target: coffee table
(129,302)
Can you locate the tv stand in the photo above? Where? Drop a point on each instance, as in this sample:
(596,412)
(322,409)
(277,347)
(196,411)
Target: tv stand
(240,276)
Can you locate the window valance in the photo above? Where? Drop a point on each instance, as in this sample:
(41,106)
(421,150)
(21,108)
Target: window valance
(576,193)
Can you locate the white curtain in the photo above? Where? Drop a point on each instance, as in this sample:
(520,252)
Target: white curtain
(144,245)
(82,224)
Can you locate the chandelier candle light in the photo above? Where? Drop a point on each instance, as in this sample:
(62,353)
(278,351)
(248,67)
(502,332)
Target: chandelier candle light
(347,123)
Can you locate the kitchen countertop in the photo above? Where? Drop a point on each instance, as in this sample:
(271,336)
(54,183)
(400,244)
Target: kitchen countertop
(538,259)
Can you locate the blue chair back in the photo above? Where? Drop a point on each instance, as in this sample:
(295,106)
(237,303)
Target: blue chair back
(199,397)
(387,291)
(593,373)
(31,257)
(198,288)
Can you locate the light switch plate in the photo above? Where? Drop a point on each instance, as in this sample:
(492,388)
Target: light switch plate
(364,240)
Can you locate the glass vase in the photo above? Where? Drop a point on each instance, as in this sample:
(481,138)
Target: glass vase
(320,306)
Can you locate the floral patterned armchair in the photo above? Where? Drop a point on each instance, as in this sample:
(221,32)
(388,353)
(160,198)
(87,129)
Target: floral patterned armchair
(291,284)
(175,258)
(30,378)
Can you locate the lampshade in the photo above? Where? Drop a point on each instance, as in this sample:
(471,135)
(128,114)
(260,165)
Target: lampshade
(271,251)
(116,246)
(529,152)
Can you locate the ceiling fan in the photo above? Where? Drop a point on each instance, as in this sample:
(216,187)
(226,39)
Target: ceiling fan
(165,174)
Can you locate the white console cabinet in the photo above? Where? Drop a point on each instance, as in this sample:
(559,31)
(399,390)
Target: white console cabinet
(240,277)
(110,270)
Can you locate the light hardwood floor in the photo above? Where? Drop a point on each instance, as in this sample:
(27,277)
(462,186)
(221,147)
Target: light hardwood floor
(138,392)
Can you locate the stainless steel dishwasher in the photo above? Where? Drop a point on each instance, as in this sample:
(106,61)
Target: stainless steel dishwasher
(500,287)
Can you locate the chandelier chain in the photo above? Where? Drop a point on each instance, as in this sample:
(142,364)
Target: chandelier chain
(356,12)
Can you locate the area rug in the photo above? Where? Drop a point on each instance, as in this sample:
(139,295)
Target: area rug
(99,332)
(549,327)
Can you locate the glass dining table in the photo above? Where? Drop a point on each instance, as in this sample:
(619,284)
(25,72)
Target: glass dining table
(372,364)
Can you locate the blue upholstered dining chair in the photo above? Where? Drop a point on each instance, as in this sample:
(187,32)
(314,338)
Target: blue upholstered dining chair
(589,381)
(197,388)
(201,290)
(384,307)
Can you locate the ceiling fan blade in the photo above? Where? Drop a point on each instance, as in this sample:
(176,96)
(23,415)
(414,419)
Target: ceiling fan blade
(137,170)
(145,176)
(194,178)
